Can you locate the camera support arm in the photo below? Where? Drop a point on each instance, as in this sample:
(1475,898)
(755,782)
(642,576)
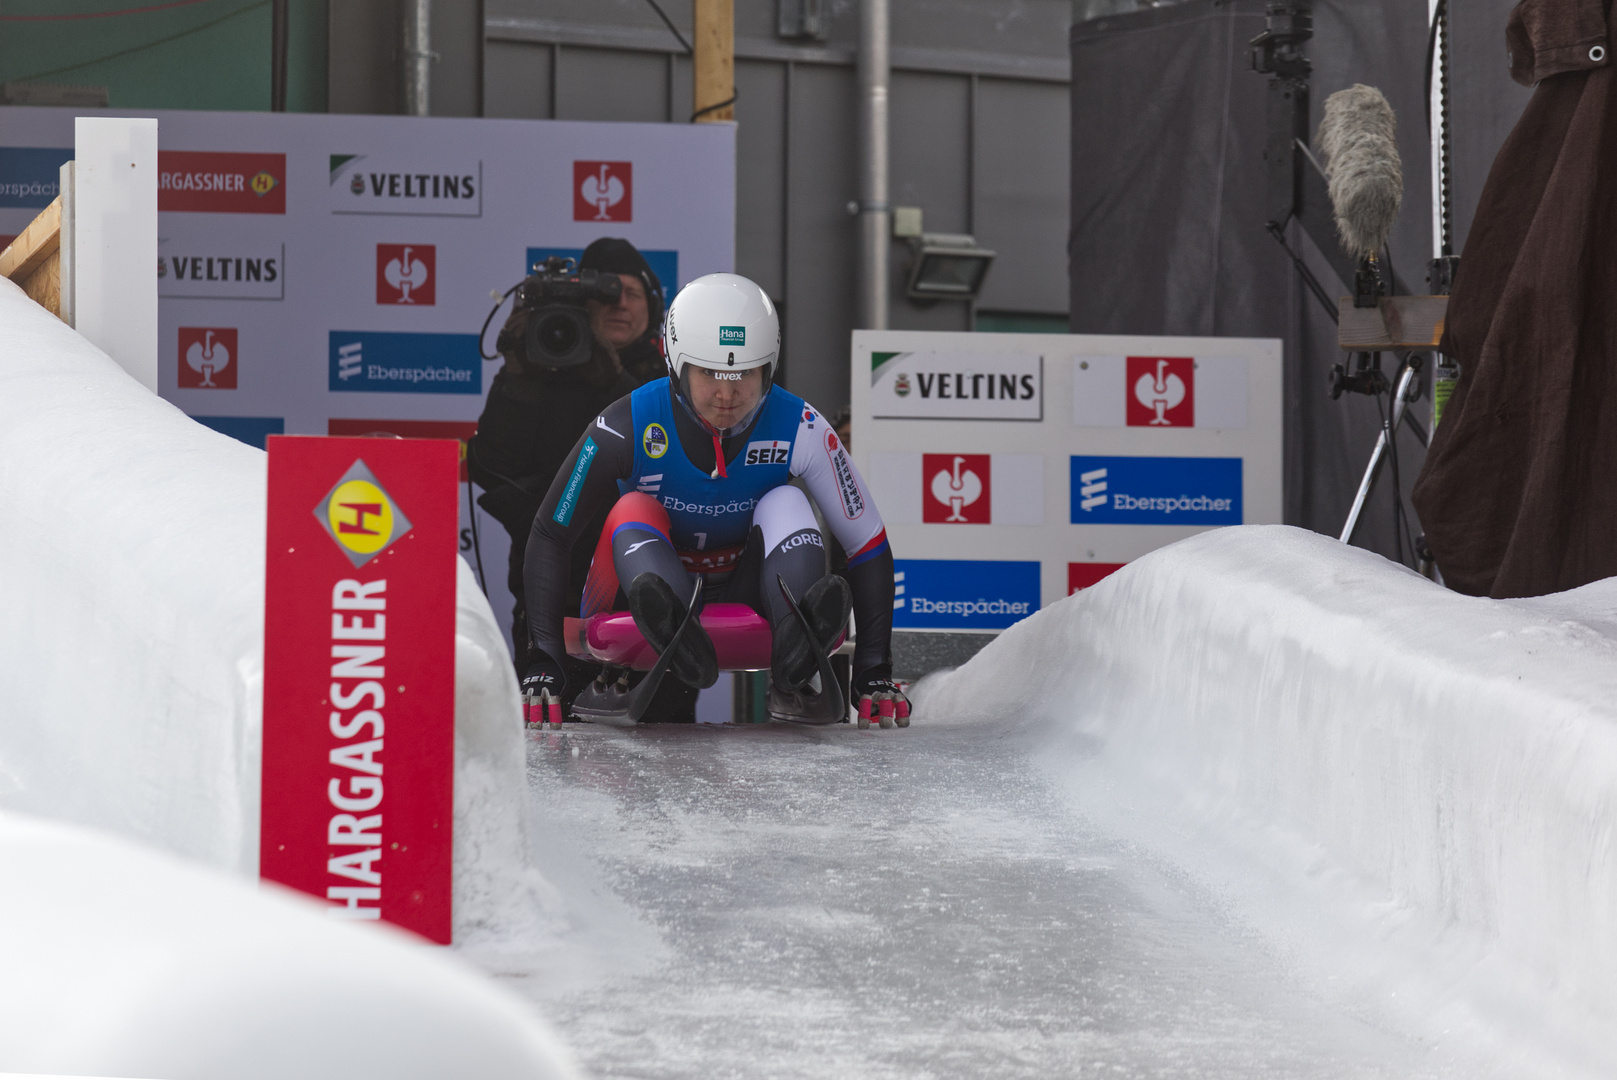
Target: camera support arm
(1294,182)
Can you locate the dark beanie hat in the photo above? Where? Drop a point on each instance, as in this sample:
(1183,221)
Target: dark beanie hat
(618,256)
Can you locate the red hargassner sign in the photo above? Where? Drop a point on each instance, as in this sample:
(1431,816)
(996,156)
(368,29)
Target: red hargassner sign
(359,676)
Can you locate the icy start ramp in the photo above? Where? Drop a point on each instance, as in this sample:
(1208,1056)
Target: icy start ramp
(1345,729)
(131,647)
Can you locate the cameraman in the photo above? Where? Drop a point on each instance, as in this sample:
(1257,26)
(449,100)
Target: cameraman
(535,414)
(632,325)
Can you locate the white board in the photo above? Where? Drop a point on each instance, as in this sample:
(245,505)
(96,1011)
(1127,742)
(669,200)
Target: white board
(314,269)
(1012,469)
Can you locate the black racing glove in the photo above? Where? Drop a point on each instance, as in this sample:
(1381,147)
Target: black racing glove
(542,689)
(880,699)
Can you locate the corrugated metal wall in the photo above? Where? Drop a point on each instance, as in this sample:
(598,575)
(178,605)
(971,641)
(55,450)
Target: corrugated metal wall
(979,132)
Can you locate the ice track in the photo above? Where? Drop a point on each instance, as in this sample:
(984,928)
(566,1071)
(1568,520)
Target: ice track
(769,901)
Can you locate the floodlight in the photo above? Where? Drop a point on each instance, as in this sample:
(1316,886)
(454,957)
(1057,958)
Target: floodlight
(947,266)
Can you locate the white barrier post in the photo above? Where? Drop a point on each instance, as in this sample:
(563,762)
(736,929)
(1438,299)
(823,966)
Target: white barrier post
(114,256)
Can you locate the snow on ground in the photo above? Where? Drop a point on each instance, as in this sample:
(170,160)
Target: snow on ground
(117,960)
(1412,791)
(132,572)
(1259,805)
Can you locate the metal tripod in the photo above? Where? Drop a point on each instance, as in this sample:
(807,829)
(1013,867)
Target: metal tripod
(1407,390)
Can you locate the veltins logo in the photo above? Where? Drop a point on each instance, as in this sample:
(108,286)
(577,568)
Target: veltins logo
(406,274)
(1162,391)
(197,269)
(1156,491)
(210,182)
(732,335)
(957,385)
(360,515)
(963,594)
(207,358)
(654,440)
(603,191)
(957,489)
(444,186)
(367,361)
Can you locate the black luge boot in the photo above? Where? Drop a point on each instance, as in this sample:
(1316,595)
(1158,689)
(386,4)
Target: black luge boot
(796,657)
(659,614)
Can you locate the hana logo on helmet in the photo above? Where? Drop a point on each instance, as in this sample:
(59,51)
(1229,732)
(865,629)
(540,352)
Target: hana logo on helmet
(732,335)
(655,441)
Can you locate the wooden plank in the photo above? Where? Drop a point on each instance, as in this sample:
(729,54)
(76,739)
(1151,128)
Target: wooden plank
(44,285)
(35,244)
(1396,322)
(713,65)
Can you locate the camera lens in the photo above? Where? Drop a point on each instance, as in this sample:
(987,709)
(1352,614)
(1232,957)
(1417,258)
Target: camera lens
(558,335)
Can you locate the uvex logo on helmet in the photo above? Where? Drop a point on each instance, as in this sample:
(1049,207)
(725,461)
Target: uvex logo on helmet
(732,335)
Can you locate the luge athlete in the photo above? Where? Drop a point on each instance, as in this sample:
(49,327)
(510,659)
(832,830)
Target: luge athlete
(696,467)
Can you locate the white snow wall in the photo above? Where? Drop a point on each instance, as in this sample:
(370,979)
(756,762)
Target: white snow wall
(1459,755)
(131,631)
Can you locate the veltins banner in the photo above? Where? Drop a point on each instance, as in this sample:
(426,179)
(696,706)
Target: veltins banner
(316,271)
(1015,469)
(359,676)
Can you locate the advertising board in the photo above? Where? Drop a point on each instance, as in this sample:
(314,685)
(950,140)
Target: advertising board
(314,268)
(1015,469)
(359,676)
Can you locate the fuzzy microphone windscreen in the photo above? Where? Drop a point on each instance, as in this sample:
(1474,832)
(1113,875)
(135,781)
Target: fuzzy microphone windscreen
(1359,138)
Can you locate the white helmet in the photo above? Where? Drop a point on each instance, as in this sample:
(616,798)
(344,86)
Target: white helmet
(724,322)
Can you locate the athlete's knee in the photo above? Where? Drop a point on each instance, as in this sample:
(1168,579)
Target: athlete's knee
(637,509)
(783,512)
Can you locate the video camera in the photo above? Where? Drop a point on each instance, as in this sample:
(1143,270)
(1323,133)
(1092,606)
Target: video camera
(558,332)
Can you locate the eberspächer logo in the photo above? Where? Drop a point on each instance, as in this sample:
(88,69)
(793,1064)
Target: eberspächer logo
(1192,491)
(360,516)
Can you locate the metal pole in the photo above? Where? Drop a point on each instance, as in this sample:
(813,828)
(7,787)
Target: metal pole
(278,39)
(415,58)
(874,213)
(1399,398)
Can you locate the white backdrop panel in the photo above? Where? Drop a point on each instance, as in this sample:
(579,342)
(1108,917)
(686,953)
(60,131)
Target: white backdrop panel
(1013,468)
(277,266)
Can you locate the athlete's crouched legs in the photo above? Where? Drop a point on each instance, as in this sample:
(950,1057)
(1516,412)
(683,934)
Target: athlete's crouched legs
(794,552)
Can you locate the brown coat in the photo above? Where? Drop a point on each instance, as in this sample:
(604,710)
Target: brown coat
(1518,496)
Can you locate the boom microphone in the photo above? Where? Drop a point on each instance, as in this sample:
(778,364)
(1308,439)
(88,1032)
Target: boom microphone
(1358,137)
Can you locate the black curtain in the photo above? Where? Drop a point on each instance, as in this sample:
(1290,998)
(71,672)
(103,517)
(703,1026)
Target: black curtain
(1168,213)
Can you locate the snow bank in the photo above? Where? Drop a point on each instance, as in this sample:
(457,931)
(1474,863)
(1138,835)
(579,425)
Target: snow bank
(131,647)
(1455,758)
(116,960)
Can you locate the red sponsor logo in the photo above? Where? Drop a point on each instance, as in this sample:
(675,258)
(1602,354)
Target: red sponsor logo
(1081,575)
(603,191)
(406,274)
(207,358)
(205,182)
(1161,391)
(357,805)
(460,430)
(956,489)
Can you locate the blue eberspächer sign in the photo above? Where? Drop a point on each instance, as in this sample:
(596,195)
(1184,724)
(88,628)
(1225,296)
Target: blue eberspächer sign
(1156,491)
(369,361)
(963,594)
(31,176)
